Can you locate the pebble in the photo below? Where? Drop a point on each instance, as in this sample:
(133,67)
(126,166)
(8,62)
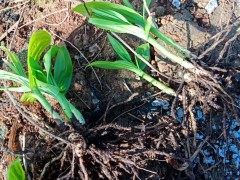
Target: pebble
(14,17)
(211,6)
(176,3)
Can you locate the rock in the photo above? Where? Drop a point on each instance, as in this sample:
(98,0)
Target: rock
(160,11)
(211,6)
(14,17)
(201,3)
(176,3)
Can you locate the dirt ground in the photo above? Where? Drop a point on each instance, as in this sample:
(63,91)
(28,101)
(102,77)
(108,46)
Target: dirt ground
(132,130)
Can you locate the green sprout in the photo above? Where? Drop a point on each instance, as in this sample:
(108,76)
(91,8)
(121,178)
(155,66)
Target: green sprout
(127,63)
(53,79)
(15,171)
(124,19)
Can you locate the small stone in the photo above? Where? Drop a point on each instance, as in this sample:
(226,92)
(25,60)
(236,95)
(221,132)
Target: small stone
(176,3)
(163,21)
(211,6)
(76,57)
(77,87)
(14,17)
(160,11)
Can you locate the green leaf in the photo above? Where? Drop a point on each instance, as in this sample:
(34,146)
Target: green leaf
(28,97)
(64,104)
(118,27)
(114,65)
(109,15)
(128,4)
(144,51)
(63,69)
(15,171)
(130,14)
(39,41)
(170,42)
(13,77)
(119,48)
(16,65)
(47,60)
(38,72)
(77,114)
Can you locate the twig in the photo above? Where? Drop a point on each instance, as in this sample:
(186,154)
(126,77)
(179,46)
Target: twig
(24,158)
(8,31)
(83,168)
(14,153)
(128,111)
(198,149)
(44,17)
(80,54)
(146,7)
(30,119)
(7,8)
(225,47)
(57,24)
(52,161)
(15,31)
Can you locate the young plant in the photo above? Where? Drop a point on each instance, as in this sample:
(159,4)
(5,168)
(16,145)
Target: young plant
(43,80)
(15,171)
(122,19)
(127,63)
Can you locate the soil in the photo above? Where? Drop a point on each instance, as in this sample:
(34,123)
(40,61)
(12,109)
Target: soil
(132,130)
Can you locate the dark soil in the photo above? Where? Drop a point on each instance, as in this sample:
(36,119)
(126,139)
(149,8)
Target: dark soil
(132,131)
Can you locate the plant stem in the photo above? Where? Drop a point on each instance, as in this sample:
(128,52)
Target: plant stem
(173,57)
(172,43)
(156,83)
(38,95)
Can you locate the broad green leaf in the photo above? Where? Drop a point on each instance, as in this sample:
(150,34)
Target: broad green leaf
(114,65)
(38,72)
(109,15)
(77,114)
(118,27)
(129,66)
(39,41)
(65,105)
(13,77)
(119,48)
(170,42)
(16,65)
(39,96)
(15,171)
(63,69)
(28,97)
(47,60)
(128,4)
(47,88)
(130,14)
(144,51)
